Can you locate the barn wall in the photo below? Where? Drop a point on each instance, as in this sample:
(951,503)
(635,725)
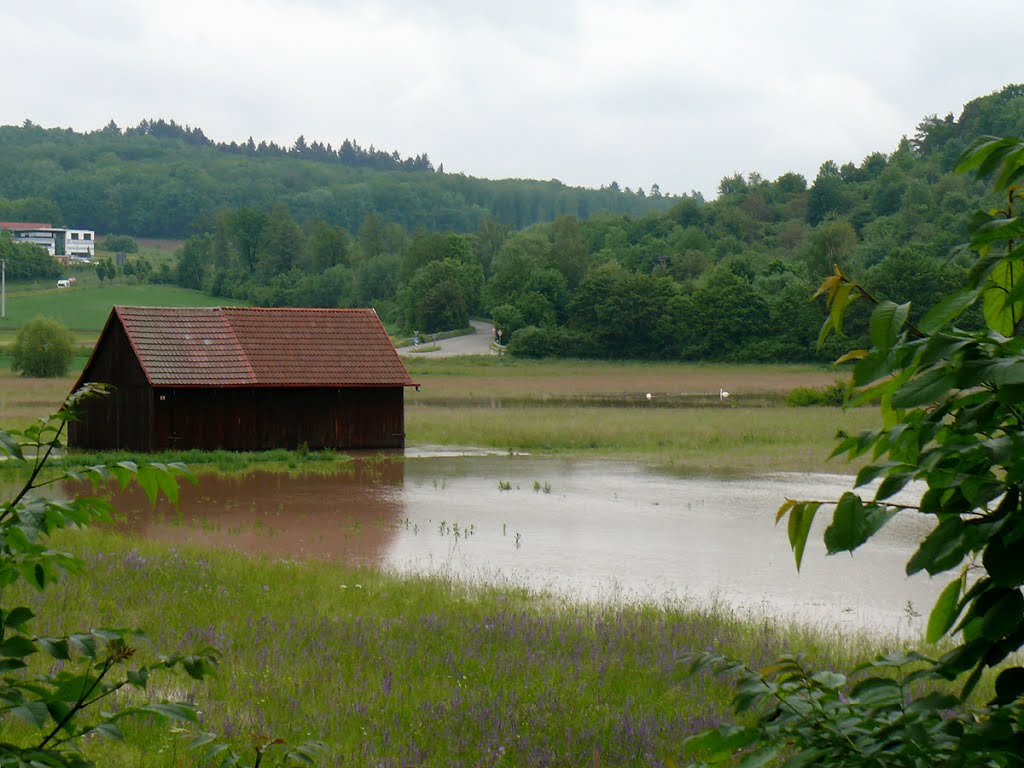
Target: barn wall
(252,419)
(124,418)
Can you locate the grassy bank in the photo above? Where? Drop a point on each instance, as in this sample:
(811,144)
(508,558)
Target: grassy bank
(412,671)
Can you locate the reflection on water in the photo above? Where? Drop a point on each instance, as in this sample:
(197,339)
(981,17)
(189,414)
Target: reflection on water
(352,516)
(590,529)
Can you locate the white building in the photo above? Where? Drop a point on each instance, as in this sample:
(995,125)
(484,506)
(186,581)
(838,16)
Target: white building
(58,241)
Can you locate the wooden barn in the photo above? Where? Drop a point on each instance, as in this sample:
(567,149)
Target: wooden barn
(243,379)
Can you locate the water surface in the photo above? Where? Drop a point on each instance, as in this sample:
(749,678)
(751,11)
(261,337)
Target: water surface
(589,529)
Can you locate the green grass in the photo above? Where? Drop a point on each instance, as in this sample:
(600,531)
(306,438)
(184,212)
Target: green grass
(222,462)
(718,440)
(85,307)
(421,671)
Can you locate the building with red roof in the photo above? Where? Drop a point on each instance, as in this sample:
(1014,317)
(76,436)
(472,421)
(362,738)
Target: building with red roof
(244,379)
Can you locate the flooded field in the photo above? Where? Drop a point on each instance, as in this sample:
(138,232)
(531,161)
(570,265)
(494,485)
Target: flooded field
(589,529)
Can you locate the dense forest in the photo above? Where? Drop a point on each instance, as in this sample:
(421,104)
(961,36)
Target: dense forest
(161,179)
(728,279)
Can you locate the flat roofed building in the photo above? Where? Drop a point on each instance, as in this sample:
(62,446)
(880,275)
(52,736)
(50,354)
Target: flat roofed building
(58,241)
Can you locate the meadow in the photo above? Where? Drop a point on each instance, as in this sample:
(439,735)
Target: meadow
(412,671)
(85,307)
(589,409)
(425,670)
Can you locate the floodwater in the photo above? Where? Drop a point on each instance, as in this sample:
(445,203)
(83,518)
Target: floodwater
(597,530)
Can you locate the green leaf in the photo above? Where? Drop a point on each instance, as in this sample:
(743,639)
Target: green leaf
(759,757)
(18,647)
(1005,616)
(945,611)
(925,389)
(17,617)
(826,329)
(149,482)
(202,740)
(853,523)
(840,301)
(9,446)
(57,647)
(832,681)
(182,712)
(886,322)
(720,743)
(34,713)
(946,311)
(109,730)
(984,154)
(1009,685)
(944,548)
(845,532)
(876,691)
(1003,562)
(801,516)
(1000,314)
(83,644)
(997,229)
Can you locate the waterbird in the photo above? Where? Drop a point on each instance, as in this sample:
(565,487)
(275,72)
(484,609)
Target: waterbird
(648,395)
(722,394)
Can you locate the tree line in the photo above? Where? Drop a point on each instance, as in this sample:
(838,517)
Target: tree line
(161,179)
(725,280)
(721,280)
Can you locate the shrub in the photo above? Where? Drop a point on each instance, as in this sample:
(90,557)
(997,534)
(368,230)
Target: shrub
(120,244)
(43,348)
(831,394)
(950,400)
(66,691)
(553,341)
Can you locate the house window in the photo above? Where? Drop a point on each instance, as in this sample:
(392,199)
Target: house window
(74,235)
(88,235)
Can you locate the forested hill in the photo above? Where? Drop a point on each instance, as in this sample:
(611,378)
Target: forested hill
(161,179)
(727,279)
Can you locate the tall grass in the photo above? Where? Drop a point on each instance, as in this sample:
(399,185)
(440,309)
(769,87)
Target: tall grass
(725,439)
(421,671)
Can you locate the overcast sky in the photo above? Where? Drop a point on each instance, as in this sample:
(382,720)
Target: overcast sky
(670,91)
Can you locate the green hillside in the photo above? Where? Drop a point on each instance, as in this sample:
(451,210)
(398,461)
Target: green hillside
(160,179)
(85,308)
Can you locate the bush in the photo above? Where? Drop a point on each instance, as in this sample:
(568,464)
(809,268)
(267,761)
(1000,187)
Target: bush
(43,348)
(59,694)
(554,341)
(832,394)
(120,244)
(950,399)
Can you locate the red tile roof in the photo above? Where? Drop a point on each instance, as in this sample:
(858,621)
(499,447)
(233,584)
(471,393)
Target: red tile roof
(243,346)
(14,226)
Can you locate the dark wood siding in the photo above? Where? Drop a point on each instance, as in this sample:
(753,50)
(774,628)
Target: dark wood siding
(124,418)
(139,417)
(251,419)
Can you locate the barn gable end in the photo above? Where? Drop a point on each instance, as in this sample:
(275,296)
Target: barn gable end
(243,379)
